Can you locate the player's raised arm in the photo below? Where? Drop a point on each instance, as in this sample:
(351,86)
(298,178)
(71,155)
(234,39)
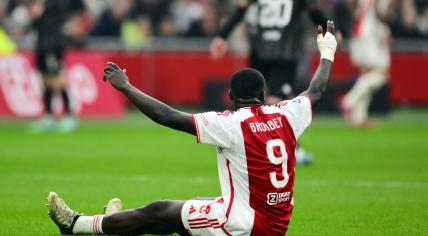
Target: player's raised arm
(327,46)
(157,111)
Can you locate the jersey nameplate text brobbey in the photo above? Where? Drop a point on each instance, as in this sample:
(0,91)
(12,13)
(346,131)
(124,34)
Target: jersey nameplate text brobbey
(269,125)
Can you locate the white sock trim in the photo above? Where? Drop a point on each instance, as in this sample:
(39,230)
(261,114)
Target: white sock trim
(89,225)
(97,224)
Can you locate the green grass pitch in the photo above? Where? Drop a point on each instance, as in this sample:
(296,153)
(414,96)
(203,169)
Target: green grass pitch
(362,182)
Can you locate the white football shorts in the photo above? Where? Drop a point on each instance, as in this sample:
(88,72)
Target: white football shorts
(204,217)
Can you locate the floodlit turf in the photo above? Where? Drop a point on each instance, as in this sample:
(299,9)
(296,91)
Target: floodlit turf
(362,183)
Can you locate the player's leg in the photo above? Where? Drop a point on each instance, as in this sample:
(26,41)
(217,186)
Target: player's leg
(372,57)
(49,63)
(360,111)
(357,91)
(47,121)
(161,217)
(358,99)
(69,122)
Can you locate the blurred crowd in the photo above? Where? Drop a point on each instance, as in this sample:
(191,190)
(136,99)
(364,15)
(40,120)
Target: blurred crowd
(137,21)
(409,19)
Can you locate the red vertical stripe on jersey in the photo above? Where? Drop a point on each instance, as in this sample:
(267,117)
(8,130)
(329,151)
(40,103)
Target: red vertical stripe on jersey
(195,123)
(232,190)
(269,219)
(232,196)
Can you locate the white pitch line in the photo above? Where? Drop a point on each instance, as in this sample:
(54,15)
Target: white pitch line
(365,183)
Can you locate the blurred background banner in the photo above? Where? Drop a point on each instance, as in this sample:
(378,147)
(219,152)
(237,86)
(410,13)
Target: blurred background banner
(182,78)
(21,94)
(20,87)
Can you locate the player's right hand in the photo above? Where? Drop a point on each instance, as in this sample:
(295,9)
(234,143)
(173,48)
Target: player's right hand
(327,42)
(116,76)
(218,48)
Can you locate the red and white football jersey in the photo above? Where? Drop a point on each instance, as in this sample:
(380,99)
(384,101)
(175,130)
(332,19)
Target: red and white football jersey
(256,162)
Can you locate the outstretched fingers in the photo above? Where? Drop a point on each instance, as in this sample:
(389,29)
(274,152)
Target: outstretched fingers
(114,65)
(330,26)
(107,72)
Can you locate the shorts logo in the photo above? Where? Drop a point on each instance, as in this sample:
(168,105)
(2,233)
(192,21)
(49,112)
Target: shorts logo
(275,198)
(205,209)
(192,209)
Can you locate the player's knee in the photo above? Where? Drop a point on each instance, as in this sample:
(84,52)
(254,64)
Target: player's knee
(159,210)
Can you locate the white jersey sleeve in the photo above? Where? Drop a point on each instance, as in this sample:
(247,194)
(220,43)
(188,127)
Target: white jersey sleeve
(214,128)
(298,112)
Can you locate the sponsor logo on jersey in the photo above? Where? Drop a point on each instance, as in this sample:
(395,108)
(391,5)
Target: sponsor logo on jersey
(275,198)
(296,100)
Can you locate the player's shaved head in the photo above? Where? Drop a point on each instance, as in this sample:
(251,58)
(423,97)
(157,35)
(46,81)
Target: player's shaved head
(248,84)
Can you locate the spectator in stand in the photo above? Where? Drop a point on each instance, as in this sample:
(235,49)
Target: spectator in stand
(19,20)
(95,8)
(194,11)
(410,20)
(110,22)
(422,22)
(7,46)
(136,32)
(167,27)
(3,12)
(343,15)
(156,10)
(207,26)
(404,24)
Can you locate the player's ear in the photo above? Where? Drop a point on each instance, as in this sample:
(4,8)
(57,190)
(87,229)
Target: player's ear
(230,95)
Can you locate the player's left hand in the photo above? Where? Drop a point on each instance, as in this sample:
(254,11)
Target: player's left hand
(327,43)
(116,76)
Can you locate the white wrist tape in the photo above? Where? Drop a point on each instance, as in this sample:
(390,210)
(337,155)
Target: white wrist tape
(327,45)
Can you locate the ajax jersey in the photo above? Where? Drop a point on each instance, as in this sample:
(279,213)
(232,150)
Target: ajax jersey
(256,163)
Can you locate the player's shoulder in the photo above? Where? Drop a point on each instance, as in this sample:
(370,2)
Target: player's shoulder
(275,108)
(222,116)
(295,103)
(226,118)
(297,100)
